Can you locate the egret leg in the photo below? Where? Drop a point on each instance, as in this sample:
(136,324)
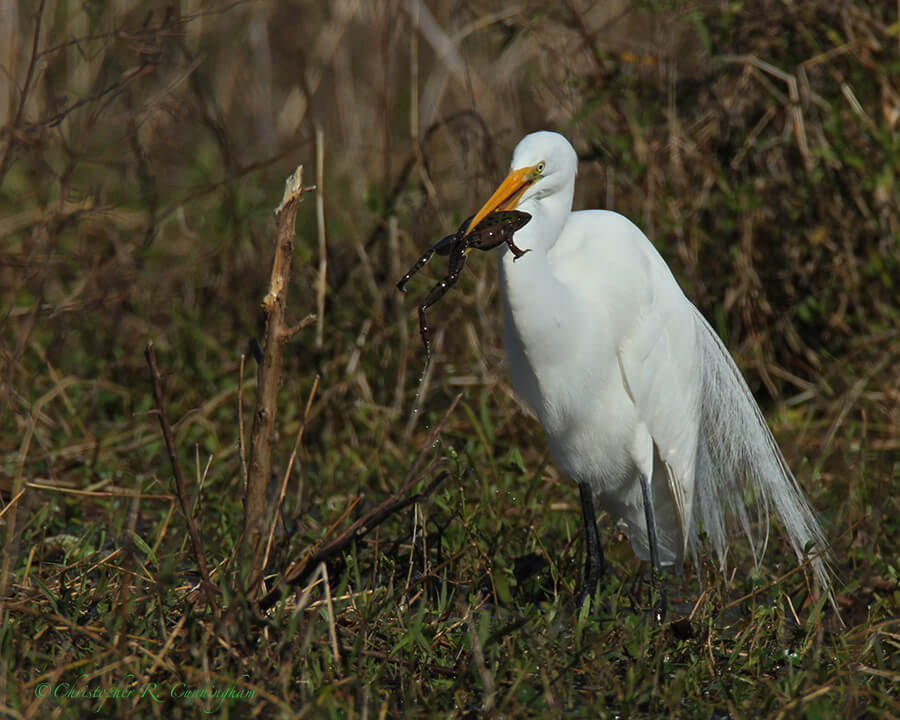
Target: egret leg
(660,604)
(595,563)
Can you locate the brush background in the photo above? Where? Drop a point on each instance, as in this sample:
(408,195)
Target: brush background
(144,147)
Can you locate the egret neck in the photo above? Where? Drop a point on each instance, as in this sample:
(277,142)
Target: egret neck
(530,286)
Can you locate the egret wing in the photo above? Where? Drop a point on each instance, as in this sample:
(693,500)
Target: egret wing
(659,363)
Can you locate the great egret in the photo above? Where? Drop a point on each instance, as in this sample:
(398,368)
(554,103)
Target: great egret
(641,402)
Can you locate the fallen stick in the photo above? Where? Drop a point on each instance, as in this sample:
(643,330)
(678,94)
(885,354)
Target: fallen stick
(298,572)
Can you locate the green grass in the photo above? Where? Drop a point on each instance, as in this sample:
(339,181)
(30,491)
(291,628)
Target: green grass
(137,207)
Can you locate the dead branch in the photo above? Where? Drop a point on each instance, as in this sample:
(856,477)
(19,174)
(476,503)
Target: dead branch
(377,515)
(277,333)
(209,587)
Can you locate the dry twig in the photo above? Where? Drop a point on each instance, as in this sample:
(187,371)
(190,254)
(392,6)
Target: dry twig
(277,333)
(209,587)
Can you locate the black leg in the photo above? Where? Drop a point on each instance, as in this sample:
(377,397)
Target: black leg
(457,263)
(418,265)
(594,563)
(660,606)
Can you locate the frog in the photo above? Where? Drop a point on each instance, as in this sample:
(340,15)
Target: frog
(495,229)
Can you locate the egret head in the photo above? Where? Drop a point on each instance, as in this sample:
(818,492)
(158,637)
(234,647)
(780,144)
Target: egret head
(544,163)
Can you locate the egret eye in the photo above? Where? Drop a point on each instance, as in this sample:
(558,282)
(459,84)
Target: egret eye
(539,168)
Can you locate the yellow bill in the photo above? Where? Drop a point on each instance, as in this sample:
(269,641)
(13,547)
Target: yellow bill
(507,196)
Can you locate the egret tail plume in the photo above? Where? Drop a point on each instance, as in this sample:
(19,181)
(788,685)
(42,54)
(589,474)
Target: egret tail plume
(731,465)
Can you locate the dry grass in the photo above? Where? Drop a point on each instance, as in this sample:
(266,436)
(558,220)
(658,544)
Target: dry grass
(141,156)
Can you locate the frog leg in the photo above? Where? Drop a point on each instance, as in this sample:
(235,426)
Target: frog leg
(457,262)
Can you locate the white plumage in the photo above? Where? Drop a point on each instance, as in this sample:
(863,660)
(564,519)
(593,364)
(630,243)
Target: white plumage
(627,377)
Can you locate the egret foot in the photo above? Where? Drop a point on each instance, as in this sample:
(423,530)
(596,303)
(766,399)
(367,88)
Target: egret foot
(658,597)
(594,563)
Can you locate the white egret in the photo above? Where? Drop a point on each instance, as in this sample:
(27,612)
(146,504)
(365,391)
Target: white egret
(642,405)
